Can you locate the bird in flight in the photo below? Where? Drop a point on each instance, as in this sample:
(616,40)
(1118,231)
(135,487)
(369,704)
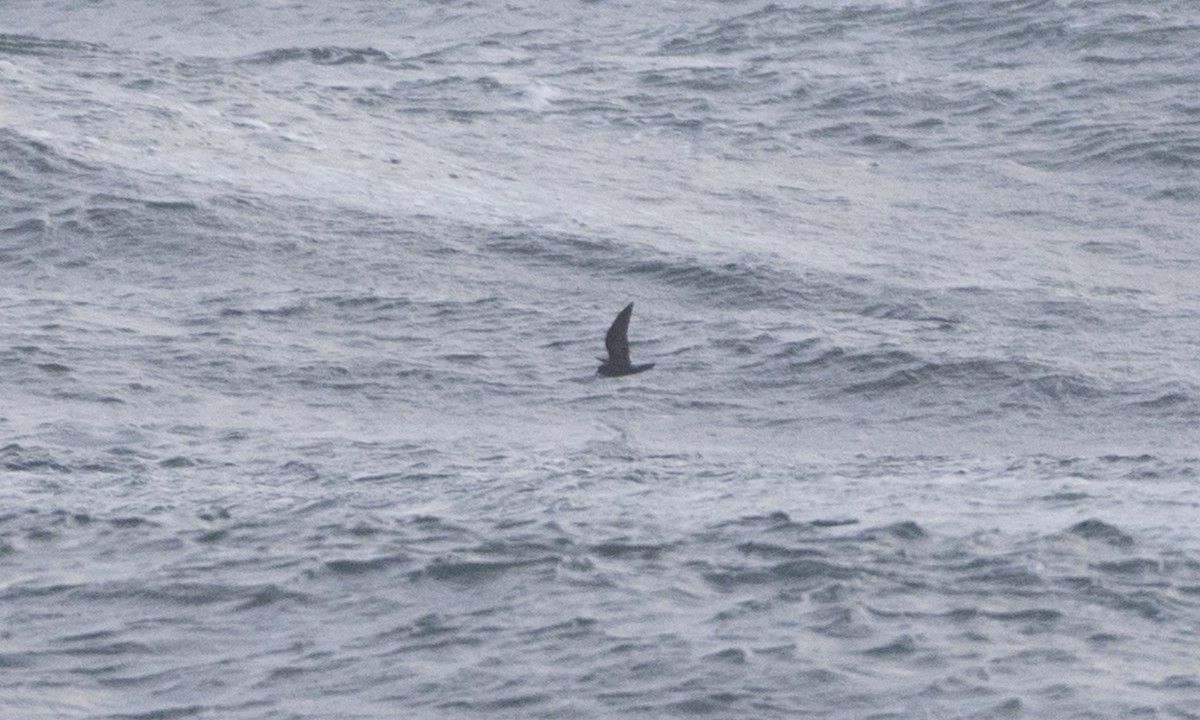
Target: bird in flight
(617,342)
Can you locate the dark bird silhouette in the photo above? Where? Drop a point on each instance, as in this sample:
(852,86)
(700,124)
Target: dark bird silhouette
(617,342)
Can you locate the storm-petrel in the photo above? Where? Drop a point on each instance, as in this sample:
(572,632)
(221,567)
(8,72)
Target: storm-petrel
(617,342)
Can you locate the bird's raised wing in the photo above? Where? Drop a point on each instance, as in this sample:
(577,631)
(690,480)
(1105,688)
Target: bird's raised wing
(617,340)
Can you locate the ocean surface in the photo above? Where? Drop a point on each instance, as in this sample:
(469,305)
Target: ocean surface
(300,306)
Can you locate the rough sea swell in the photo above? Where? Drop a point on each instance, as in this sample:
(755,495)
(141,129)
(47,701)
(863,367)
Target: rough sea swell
(300,305)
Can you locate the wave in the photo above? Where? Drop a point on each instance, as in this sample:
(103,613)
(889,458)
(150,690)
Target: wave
(722,283)
(891,372)
(49,47)
(31,162)
(1095,529)
(1083,144)
(326,55)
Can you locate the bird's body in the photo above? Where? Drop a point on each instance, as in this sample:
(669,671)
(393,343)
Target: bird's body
(617,343)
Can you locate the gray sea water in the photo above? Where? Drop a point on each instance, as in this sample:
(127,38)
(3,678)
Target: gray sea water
(299,310)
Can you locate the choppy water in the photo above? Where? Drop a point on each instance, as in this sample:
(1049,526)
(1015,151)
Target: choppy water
(300,305)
